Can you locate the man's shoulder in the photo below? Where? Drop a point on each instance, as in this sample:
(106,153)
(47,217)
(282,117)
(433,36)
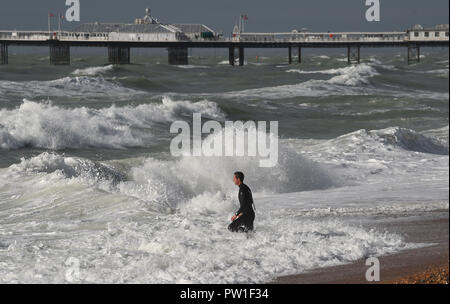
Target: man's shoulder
(244,187)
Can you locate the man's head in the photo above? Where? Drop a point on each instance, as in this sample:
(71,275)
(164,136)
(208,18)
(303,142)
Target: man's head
(238,178)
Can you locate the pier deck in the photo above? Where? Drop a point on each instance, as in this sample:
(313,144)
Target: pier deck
(119,44)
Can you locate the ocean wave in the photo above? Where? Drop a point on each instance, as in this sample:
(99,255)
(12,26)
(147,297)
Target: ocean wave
(190,66)
(184,180)
(347,81)
(171,211)
(115,230)
(412,141)
(79,86)
(439,72)
(227,62)
(180,249)
(93,71)
(174,183)
(352,80)
(195,189)
(384,140)
(322,57)
(355,75)
(69,167)
(353,71)
(384,209)
(441,134)
(179,181)
(48,126)
(279,248)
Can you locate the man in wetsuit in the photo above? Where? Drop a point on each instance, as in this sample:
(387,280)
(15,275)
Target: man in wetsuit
(243,219)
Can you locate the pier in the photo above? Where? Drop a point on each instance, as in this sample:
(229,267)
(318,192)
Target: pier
(120,39)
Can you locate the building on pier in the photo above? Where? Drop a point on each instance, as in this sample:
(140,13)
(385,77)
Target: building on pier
(419,33)
(144,29)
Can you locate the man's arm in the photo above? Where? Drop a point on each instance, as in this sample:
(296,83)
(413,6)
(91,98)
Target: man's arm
(242,201)
(246,201)
(235,217)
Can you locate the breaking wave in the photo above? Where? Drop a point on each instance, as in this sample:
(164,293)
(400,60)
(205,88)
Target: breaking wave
(79,86)
(348,81)
(93,71)
(351,76)
(285,243)
(69,167)
(384,140)
(174,183)
(352,80)
(177,182)
(412,141)
(47,126)
(171,211)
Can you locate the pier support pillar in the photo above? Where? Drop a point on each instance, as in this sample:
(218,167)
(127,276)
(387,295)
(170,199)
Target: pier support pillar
(178,55)
(299,54)
(231,57)
(118,55)
(413,53)
(241,56)
(3,53)
(354,54)
(59,54)
(290,55)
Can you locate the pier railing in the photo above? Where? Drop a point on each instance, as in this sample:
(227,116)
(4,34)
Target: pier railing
(299,37)
(321,37)
(178,43)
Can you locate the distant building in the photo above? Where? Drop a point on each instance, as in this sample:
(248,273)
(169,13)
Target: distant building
(147,19)
(146,29)
(419,33)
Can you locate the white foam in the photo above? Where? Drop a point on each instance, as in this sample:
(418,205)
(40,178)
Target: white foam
(165,221)
(190,245)
(79,86)
(93,71)
(69,167)
(352,80)
(347,81)
(354,75)
(189,67)
(47,126)
(322,57)
(441,72)
(382,143)
(236,62)
(440,134)
(173,183)
(173,249)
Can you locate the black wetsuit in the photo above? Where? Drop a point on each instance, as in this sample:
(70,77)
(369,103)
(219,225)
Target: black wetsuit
(245,222)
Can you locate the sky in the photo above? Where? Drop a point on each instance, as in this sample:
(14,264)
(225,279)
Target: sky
(264,15)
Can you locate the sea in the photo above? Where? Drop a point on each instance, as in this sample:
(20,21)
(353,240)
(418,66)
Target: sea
(90,192)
